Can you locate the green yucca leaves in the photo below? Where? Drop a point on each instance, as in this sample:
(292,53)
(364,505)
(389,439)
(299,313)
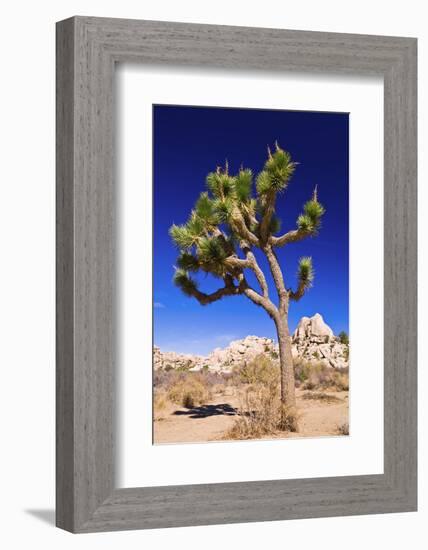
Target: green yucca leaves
(305,272)
(263,183)
(188,262)
(304,223)
(310,221)
(195,225)
(277,172)
(275,225)
(214,183)
(220,184)
(226,217)
(181,236)
(242,185)
(223,209)
(211,250)
(185,236)
(314,210)
(204,209)
(186,284)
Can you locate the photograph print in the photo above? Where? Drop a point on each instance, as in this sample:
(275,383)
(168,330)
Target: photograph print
(250,274)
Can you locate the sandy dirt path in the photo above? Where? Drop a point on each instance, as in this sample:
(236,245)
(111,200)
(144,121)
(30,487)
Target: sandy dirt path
(209,422)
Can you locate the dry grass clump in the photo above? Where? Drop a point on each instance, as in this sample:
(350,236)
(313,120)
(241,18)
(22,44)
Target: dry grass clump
(317,375)
(188,389)
(318,396)
(341,380)
(166,378)
(189,392)
(260,370)
(343,429)
(260,412)
(288,419)
(160,404)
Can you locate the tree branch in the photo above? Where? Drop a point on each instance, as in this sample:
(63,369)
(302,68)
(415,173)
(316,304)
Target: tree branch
(254,266)
(275,269)
(257,299)
(305,278)
(269,210)
(229,289)
(240,227)
(234,262)
(292,236)
(301,289)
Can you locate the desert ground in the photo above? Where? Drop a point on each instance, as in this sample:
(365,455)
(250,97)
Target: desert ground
(234,393)
(321,414)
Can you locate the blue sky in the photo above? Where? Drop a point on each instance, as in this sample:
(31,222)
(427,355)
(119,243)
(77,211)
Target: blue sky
(189,142)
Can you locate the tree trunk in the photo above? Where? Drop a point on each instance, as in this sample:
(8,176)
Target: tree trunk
(288,394)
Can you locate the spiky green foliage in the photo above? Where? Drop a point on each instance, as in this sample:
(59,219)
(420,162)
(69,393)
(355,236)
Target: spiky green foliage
(181,236)
(196,226)
(188,262)
(205,211)
(277,172)
(223,209)
(220,184)
(186,284)
(264,183)
(227,217)
(304,223)
(275,225)
(305,272)
(310,220)
(314,211)
(211,250)
(211,253)
(242,185)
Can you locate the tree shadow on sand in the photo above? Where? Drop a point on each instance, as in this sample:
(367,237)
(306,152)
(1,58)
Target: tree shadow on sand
(204,411)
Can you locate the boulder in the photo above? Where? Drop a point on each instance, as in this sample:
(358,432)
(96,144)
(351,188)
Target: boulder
(313,328)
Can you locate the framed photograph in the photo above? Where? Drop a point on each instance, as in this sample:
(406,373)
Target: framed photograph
(236,274)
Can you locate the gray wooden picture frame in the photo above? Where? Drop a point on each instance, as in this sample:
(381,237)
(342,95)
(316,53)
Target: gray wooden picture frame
(87,50)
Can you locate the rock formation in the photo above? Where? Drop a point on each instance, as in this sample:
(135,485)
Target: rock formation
(312,341)
(239,351)
(171,360)
(314,329)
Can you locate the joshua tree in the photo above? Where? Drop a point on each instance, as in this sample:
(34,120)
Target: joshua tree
(224,229)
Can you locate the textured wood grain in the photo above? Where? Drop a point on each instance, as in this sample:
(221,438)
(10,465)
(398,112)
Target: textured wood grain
(87,49)
(64,277)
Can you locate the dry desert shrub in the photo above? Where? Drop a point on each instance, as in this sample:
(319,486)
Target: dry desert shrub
(317,375)
(160,404)
(260,370)
(318,396)
(260,411)
(341,379)
(288,419)
(189,392)
(343,429)
(166,378)
(190,389)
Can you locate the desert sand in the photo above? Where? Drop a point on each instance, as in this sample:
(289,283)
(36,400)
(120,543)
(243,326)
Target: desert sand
(321,414)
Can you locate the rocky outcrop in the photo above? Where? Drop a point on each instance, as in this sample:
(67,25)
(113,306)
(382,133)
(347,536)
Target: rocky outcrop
(168,360)
(219,360)
(313,329)
(312,341)
(239,351)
